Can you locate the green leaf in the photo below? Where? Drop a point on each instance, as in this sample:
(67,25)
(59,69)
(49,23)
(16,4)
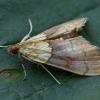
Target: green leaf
(44,14)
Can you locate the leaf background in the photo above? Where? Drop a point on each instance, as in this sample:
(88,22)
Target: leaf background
(44,14)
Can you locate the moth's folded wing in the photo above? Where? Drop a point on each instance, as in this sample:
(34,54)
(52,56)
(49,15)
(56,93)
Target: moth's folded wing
(38,52)
(66,30)
(75,55)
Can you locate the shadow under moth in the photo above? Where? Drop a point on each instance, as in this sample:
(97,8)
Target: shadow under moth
(60,47)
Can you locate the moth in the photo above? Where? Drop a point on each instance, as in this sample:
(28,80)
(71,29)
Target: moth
(60,47)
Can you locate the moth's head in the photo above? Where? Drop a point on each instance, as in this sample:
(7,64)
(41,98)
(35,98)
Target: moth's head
(13,49)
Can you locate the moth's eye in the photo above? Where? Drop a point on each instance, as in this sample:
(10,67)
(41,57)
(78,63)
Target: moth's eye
(13,49)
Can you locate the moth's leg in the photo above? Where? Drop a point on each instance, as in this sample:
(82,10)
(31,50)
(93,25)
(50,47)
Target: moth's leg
(50,74)
(22,66)
(28,35)
(24,71)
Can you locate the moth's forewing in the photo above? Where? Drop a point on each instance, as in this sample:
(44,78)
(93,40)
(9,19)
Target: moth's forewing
(39,51)
(75,55)
(66,30)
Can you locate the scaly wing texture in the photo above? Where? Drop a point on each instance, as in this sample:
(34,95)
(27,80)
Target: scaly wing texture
(36,51)
(65,30)
(75,55)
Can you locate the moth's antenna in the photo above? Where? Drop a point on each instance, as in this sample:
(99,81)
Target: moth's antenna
(28,35)
(3,46)
(50,74)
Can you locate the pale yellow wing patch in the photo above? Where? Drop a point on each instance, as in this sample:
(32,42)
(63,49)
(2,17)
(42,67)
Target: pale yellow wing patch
(39,52)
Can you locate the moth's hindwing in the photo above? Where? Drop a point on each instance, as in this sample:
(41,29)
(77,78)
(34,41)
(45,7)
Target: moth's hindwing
(64,31)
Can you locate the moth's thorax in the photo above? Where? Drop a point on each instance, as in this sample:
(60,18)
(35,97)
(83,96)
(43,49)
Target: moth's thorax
(13,49)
